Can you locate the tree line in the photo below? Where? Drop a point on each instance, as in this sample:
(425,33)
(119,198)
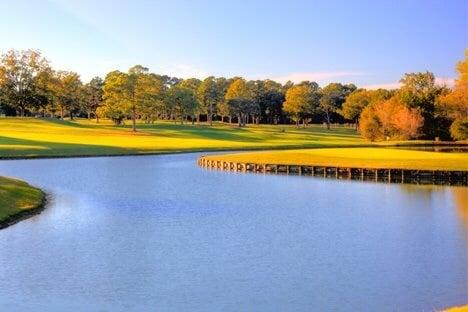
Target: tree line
(29,86)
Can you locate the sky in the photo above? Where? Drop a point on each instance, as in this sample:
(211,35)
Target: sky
(369,43)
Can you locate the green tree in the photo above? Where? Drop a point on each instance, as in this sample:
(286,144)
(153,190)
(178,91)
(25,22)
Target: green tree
(19,71)
(93,93)
(126,93)
(419,90)
(239,100)
(300,102)
(150,93)
(183,102)
(459,129)
(269,97)
(66,88)
(333,97)
(208,93)
(360,99)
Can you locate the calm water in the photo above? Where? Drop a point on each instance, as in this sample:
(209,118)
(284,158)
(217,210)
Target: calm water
(158,233)
(441,149)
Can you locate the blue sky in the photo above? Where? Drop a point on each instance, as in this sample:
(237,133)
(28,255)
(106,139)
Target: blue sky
(369,43)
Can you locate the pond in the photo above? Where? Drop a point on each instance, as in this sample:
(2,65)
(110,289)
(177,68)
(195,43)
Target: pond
(161,233)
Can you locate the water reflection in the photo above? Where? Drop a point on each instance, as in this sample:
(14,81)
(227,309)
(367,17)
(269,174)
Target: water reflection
(460,198)
(435,148)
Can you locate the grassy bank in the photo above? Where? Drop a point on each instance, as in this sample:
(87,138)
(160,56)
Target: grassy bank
(18,200)
(39,138)
(356,158)
(457,309)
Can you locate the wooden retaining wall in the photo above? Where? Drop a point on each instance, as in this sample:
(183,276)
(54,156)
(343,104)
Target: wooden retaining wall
(365,174)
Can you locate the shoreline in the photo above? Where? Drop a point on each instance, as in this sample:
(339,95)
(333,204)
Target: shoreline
(25,214)
(242,149)
(320,163)
(338,172)
(371,174)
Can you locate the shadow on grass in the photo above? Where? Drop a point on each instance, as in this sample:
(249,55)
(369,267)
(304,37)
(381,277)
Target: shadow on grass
(70,123)
(233,134)
(13,147)
(251,133)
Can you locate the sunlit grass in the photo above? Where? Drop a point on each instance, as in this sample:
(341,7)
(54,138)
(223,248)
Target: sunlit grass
(356,158)
(17,197)
(30,137)
(457,309)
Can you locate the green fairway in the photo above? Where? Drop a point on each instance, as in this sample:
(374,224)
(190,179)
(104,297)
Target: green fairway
(355,158)
(28,137)
(17,199)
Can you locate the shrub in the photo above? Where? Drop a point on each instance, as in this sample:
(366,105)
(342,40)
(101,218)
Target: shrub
(459,129)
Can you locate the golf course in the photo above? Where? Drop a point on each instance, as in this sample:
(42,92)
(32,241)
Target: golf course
(34,138)
(312,145)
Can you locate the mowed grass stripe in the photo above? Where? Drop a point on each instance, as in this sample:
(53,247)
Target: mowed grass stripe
(374,157)
(28,137)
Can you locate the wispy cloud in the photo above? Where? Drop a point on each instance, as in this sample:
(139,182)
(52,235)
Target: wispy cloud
(184,71)
(320,77)
(442,81)
(388,86)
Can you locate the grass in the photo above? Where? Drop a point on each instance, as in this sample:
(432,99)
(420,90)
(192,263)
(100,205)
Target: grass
(28,137)
(458,309)
(17,199)
(356,157)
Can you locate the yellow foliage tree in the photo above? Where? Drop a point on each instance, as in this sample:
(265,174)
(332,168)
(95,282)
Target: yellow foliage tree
(298,99)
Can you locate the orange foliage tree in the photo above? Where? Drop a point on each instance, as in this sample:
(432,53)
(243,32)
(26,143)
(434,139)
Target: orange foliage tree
(454,105)
(390,119)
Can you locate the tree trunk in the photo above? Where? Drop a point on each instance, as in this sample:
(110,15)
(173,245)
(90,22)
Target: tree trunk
(230,119)
(61,112)
(210,115)
(328,120)
(97,118)
(133,119)
(297,122)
